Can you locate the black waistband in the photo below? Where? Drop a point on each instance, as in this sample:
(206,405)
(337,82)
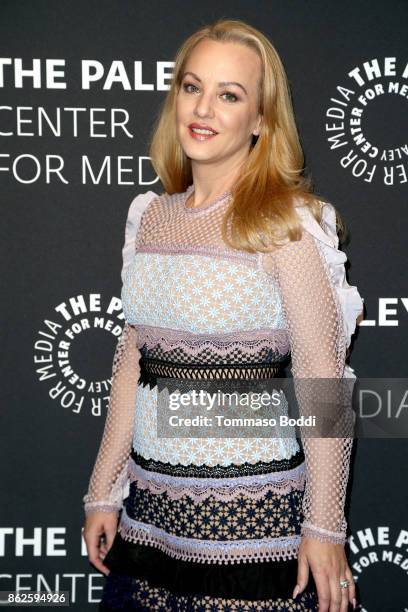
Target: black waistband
(153,369)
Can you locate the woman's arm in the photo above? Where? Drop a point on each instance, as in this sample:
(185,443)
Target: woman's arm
(318,350)
(109,476)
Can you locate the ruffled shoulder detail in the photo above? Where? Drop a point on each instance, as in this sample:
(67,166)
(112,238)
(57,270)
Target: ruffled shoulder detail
(326,231)
(351,302)
(136,209)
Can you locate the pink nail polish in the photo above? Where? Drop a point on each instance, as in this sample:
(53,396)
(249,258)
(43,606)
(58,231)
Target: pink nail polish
(354,603)
(295,592)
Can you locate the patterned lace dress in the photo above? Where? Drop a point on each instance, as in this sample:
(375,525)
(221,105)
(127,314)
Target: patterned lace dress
(210,524)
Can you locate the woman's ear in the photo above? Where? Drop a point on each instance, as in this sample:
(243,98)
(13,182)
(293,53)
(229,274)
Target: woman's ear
(256,131)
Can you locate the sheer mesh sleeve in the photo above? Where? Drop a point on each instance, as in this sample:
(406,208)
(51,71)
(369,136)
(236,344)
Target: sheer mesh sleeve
(318,350)
(109,476)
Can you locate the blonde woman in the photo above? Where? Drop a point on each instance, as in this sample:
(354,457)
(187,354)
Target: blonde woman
(231,270)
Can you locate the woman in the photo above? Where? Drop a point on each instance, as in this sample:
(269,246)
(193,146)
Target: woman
(227,273)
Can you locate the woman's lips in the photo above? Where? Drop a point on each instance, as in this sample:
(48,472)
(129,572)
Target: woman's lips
(201,136)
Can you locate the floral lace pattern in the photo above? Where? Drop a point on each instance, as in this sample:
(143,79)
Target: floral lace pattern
(125,592)
(209,451)
(199,294)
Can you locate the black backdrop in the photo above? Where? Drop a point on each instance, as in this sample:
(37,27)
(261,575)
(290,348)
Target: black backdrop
(62,235)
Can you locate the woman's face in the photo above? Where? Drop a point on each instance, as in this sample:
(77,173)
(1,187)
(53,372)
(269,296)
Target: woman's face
(219,90)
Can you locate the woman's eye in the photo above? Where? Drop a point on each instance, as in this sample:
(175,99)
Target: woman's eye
(187,85)
(228,93)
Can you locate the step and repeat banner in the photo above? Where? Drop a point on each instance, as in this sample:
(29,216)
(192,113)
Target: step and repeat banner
(80,87)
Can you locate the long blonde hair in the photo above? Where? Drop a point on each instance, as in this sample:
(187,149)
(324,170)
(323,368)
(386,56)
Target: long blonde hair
(261,209)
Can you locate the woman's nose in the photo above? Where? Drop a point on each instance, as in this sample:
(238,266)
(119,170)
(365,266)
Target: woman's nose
(204,105)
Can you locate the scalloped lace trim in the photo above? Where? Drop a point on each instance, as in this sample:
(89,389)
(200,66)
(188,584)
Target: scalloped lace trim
(207,551)
(311,531)
(254,340)
(254,486)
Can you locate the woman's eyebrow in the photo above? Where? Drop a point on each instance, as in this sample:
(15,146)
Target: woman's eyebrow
(221,84)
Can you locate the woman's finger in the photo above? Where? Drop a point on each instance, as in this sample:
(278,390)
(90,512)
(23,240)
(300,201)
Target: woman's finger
(352,586)
(336,593)
(344,594)
(93,545)
(323,591)
(102,552)
(302,575)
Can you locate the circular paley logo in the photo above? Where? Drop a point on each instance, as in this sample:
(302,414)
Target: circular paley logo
(73,345)
(366,121)
(378,558)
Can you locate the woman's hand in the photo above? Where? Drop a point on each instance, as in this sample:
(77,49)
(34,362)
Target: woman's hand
(98,524)
(329,565)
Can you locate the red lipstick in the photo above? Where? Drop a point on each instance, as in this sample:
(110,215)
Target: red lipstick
(200,131)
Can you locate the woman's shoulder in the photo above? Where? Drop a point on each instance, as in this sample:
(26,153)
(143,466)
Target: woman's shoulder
(136,209)
(325,230)
(138,206)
